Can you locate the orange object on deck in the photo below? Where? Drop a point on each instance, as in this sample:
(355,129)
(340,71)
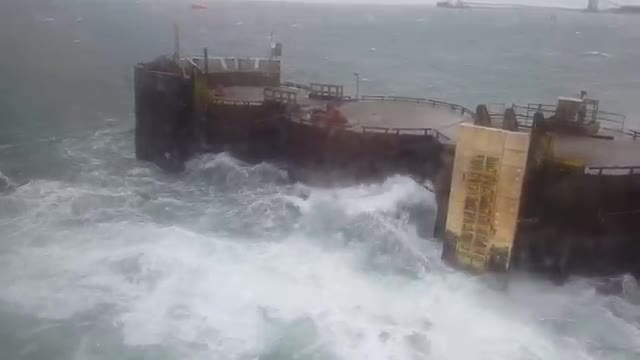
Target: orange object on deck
(334,117)
(219,92)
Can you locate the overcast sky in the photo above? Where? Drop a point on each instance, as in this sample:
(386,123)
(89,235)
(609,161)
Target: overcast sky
(563,3)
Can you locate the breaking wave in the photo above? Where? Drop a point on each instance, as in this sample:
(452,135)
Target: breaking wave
(5,183)
(232,261)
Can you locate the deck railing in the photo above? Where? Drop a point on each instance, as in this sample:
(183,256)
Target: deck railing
(388,131)
(435,103)
(223,101)
(326,91)
(634,133)
(524,115)
(280,95)
(274,94)
(612,170)
(296,85)
(406,131)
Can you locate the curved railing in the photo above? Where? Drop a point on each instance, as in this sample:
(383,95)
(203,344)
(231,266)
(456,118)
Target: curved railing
(633,133)
(612,170)
(524,115)
(436,103)
(221,101)
(366,98)
(295,85)
(406,131)
(385,130)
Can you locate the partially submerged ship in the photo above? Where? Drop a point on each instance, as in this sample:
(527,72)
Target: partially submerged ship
(450,4)
(548,188)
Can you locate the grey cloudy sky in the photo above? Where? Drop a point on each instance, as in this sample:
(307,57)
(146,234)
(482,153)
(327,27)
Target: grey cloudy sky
(562,3)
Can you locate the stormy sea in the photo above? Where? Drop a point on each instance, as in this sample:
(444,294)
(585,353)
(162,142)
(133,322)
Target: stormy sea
(105,257)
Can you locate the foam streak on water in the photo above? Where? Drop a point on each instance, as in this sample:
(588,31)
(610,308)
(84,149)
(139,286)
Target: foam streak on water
(230,261)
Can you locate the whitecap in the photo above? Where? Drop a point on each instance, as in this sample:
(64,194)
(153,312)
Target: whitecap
(5,183)
(394,193)
(596,54)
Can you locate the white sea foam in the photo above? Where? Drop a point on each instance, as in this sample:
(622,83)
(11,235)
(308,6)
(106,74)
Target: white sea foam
(5,183)
(596,54)
(143,265)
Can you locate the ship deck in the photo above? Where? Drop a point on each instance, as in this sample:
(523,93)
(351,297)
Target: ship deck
(403,116)
(372,114)
(413,116)
(621,151)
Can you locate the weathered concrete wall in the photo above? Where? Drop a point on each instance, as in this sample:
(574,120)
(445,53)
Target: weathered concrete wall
(570,221)
(164,106)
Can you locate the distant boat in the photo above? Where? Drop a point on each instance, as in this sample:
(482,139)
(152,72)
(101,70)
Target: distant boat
(450,4)
(199,6)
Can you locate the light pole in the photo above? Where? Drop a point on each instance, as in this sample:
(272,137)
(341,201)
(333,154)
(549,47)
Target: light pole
(357,85)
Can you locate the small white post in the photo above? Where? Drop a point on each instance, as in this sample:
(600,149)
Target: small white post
(176,41)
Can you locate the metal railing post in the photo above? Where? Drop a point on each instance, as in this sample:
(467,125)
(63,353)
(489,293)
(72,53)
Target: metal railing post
(206,61)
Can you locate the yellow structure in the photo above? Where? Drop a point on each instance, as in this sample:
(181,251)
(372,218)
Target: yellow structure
(486,190)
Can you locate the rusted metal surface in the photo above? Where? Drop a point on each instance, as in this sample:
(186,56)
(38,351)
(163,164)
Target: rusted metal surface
(403,116)
(380,114)
(622,151)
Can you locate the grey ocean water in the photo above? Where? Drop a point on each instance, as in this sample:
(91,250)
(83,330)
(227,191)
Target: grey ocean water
(103,257)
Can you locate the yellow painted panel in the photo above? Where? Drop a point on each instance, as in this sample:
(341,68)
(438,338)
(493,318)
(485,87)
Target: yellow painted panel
(465,134)
(506,207)
(486,188)
(514,158)
(512,184)
(517,141)
(496,143)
